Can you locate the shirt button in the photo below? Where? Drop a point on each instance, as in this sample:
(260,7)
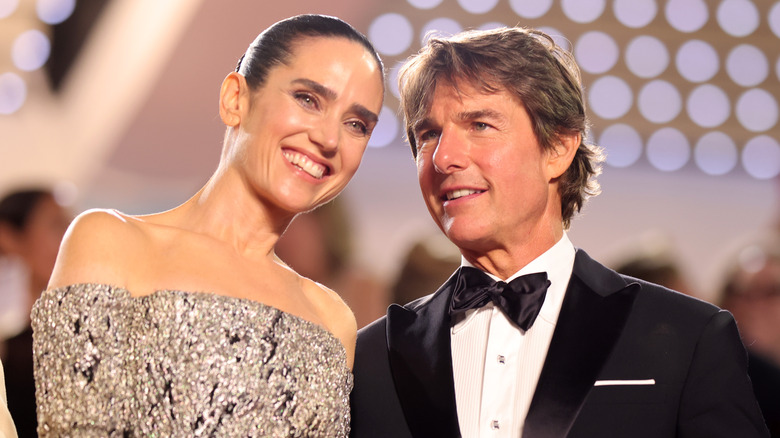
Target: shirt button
(494,425)
(501,359)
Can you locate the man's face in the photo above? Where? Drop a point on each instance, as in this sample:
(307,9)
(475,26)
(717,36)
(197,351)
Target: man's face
(484,177)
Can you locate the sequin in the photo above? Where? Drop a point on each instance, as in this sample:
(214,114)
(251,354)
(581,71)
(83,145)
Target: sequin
(183,364)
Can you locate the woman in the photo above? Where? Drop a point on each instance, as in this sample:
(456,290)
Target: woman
(31,227)
(185,323)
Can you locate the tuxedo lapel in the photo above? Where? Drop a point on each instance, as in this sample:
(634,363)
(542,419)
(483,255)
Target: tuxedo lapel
(418,338)
(594,311)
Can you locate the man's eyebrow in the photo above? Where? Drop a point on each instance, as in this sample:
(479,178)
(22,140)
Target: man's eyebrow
(486,113)
(329,94)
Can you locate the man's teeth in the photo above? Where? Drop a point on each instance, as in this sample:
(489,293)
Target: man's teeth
(460,193)
(304,163)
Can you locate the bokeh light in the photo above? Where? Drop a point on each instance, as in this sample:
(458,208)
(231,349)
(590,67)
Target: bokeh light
(715,153)
(635,13)
(738,18)
(13,93)
(392,34)
(668,149)
(610,97)
(622,143)
(761,157)
(646,56)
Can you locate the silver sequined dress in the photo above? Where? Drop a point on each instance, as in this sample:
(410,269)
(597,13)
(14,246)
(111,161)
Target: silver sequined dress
(182,364)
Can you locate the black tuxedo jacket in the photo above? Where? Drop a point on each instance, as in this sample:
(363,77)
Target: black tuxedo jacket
(610,327)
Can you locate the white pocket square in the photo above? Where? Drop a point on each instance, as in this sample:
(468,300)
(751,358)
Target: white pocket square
(624,382)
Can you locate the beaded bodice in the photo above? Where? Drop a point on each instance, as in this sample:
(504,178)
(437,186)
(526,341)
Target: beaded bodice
(176,364)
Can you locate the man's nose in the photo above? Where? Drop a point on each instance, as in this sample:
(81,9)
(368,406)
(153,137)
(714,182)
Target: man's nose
(451,152)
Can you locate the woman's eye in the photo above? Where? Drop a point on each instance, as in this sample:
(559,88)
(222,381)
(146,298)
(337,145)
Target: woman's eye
(358,127)
(306,99)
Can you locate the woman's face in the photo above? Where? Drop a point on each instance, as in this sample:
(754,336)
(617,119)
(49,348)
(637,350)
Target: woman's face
(305,130)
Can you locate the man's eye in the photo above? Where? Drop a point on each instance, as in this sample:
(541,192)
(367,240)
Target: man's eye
(427,136)
(480,126)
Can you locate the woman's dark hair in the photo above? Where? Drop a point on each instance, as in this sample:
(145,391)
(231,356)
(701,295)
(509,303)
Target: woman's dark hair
(275,45)
(17,207)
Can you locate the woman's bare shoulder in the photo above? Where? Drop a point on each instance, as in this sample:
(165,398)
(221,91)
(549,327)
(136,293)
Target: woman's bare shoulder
(96,248)
(338,317)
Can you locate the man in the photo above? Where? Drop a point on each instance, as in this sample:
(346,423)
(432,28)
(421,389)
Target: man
(497,124)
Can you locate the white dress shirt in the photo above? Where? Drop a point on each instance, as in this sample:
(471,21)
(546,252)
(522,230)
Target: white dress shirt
(496,365)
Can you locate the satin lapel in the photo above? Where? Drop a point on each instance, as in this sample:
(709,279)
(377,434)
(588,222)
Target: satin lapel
(594,312)
(418,338)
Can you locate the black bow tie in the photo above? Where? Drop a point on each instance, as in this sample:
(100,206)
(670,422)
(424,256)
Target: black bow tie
(520,299)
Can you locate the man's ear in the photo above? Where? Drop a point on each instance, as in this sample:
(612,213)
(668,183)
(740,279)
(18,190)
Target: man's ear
(560,156)
(230,99)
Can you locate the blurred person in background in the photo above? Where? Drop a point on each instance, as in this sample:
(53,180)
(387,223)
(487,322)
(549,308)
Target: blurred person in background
(319,246)
(186,322)
(427,264)
(751,291)
(32,224)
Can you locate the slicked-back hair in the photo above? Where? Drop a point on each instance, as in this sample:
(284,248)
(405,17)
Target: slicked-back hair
(530,66)
(275,45)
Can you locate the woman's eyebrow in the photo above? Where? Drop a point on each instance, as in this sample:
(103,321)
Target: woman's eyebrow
(331,95)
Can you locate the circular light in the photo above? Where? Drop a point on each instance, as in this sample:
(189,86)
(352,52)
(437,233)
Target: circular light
(557,36)
(697,61)
(761,157)
(533,9)
(708,106)
(659,102)
(646,56)
(668,149)
(715,153)
(30,50)
(777,68)
(774,19)
(477,6)
(747,65)
(424,4)
(54,11)
(391,34)
(386,130)
(7,7)
(757,110)
(687,15)
(439,27)
(610,97)
(635,13)
(492,25)
(623,145)
(596,52)
(13,92)
(738,17)
(583,11)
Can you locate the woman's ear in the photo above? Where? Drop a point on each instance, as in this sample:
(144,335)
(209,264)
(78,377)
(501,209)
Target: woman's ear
(560,156)
(230,103)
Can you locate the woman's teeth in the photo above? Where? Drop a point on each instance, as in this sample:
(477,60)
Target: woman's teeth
(304,163)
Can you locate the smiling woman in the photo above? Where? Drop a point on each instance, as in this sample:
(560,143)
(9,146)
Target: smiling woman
(230,340)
